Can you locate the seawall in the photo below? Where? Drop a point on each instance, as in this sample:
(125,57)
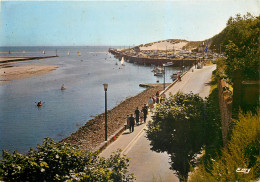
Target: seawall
(152,61)
(17,59)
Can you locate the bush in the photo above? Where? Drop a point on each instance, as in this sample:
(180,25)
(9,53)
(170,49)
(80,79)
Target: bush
(241,152)
(61,162)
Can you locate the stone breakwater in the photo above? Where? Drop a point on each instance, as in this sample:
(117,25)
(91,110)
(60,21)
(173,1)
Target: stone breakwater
(92,134)
(150,60)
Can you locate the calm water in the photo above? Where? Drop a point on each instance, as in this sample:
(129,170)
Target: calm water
(24,125)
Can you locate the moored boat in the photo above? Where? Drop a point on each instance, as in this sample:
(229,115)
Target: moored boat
(158,73)
(168,64)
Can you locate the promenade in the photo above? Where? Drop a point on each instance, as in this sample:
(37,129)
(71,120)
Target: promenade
(144,163)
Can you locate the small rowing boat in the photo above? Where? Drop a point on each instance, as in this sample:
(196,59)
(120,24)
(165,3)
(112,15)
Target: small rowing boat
(62,87)
(39,104)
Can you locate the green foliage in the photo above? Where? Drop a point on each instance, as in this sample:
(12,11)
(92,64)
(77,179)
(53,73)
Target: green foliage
(241,152)
(177,129)
(240,42)
(61,162)
(213,133)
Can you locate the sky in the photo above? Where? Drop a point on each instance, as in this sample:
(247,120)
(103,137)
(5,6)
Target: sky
(111,23)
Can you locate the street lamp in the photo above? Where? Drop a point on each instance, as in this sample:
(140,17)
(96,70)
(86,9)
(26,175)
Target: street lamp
(105,89)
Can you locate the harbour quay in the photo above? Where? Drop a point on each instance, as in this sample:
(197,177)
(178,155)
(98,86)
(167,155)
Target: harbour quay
(151,61)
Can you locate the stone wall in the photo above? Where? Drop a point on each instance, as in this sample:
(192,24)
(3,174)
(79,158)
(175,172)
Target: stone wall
(225,104)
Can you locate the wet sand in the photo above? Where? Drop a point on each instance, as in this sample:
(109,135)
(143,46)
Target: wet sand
(11,72)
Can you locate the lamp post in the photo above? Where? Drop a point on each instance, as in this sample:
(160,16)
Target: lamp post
(105,88)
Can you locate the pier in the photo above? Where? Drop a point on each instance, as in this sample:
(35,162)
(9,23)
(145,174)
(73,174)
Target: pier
(16,59)
(152,61)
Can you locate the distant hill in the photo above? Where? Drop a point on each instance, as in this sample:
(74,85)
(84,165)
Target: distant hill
(171,44)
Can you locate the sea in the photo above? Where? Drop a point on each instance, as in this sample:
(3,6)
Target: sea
(23,125)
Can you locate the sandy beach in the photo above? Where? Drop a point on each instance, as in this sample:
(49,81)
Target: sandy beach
(11,72)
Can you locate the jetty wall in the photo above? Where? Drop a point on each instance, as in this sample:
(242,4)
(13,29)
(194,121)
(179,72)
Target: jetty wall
(16,59)
(152,61)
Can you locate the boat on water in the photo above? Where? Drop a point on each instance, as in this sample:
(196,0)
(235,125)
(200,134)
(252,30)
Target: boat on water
(122,61)
(68,53)
(43,51)
(158,73)
(39,104)
(168,64)
(158,69)
(79,53)
(62,87)
(174,76)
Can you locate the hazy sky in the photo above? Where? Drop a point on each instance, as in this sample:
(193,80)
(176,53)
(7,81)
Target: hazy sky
(122,22)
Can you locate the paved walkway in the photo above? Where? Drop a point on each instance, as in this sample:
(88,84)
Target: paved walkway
(142,160)
(197,81)
(148,165)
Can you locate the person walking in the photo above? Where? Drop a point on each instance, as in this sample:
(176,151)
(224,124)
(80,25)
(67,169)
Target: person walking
(157,94)
(128,123)
(141,117)
(150,103)
(137,112)
(145,111)
(132,123)
(157,100)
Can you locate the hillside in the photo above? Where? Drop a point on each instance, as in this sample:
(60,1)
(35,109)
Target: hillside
(170,44)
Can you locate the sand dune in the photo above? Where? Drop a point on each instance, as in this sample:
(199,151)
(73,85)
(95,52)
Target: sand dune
(162,46)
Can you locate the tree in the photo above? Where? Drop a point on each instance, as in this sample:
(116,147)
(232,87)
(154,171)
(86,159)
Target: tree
(177,128)
(240,43)
(242,46)
(61,162)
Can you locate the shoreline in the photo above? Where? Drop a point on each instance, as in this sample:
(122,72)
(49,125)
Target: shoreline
(10,72)
(92,134)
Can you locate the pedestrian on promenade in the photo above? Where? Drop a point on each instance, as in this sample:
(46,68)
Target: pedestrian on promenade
(141,116)
(137,112)
(163,97)
(145,111)
(157,100)
(150,103)
(132,123)
(179,77)
(128,123)
(157,94)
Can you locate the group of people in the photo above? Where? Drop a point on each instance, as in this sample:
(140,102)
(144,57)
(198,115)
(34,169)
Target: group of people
(140,116)
(157,99)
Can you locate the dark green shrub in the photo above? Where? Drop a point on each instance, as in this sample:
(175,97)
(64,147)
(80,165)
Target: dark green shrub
(60,162)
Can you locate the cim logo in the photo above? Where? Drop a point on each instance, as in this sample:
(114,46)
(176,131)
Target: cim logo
(243,170)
